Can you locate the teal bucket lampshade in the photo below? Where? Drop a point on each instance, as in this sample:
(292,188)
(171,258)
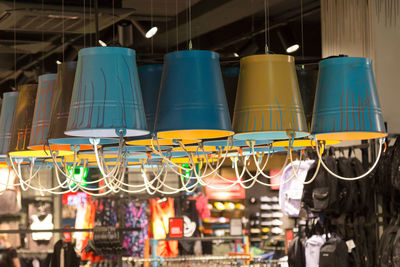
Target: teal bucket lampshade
(150,79)
(106,98)
(346,104)
(6,120)
(41,115)
(307,75)
(192,103)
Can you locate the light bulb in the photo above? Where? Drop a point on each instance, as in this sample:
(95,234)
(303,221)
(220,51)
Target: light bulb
(292,48)
(150,33)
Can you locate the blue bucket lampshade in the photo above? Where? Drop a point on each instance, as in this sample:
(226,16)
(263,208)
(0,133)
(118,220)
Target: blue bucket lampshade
(230,76)
(346,105)
(150,79)
(6,120)
(192,103)
(106,98)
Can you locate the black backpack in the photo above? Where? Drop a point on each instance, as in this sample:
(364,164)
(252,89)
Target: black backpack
(347,190)
(320,196)
(334,253)
(395,166)
(385,250)
(296,252)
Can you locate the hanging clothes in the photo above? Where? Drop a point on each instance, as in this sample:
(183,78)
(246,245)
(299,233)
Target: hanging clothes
(202,206)
(161,212)
(10,196)
(40,216)
(188,211)
(135,216)
(64,255)
(85,216)
(6,257)
(42,223)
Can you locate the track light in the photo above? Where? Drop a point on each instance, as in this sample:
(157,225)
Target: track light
(148,34)
(287,40)
(292,48)
(102,43)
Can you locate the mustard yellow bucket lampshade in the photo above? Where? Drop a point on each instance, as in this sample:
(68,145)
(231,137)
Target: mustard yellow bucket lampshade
(22,122)
(268,103)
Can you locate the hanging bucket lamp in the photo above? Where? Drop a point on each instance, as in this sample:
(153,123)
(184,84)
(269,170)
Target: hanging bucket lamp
(192,103)
(150,79)
(268,102)
(60,111)
(106,98)
(41,116)
(307,75)
(6,120)
(346,104)
(22,122)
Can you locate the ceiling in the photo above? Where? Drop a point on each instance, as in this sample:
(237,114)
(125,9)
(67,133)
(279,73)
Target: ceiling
(34,34)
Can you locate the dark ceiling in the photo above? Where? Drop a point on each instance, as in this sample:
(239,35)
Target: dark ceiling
(31,31)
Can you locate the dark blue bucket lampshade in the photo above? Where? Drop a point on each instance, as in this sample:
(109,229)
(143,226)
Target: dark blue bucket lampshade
(150,79)
(41,115)
(6,120)
(346,104)
(106,99)
(230,76)
(192,103)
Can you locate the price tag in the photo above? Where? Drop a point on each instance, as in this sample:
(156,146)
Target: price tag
(350,245)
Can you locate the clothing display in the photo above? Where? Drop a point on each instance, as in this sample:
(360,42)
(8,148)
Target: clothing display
(40,217)
(135,216)
(85,217)
(64,255)
(291,188)
(6,257)
(161,211)
(312,250)
(187,210)
(42,224)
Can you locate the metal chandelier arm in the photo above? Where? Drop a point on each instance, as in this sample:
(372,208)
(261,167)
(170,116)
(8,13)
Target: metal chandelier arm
(381,142)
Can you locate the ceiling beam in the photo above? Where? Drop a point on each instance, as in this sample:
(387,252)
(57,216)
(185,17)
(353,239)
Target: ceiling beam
(215,18)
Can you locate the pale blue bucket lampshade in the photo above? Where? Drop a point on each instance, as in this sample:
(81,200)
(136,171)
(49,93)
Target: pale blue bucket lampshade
(6,120)
(346,104)
(60,112)
(106,99)
(192,103)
